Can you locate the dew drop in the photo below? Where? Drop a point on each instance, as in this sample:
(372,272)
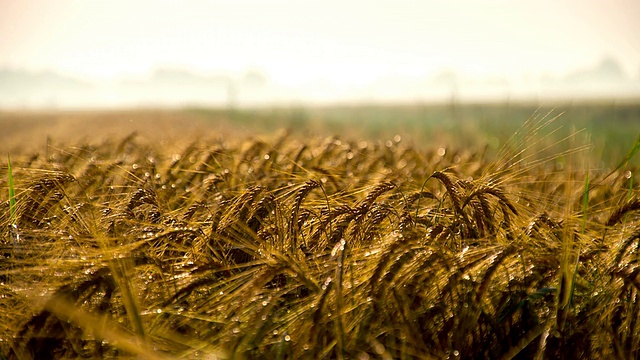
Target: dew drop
(378,348)
(326,283)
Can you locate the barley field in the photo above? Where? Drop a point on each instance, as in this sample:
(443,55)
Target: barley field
(435,232)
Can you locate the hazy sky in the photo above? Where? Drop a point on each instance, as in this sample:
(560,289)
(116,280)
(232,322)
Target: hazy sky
(294,42)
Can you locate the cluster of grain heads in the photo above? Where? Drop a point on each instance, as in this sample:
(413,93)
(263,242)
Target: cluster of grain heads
(331,249)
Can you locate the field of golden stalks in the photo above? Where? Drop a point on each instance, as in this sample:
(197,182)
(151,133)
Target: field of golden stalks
(178,239)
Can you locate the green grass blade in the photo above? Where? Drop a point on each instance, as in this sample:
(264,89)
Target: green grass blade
(585,201)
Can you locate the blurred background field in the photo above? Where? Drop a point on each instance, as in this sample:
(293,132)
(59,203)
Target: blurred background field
(610,127)
(239,54)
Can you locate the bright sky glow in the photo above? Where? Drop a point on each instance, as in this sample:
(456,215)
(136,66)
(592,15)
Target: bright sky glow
(296,42)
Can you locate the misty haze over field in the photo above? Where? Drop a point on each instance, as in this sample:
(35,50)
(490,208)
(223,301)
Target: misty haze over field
(170,87)
(238,53)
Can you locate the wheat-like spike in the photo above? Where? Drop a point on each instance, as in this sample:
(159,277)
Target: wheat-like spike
(494,261)
(341,215)
(338,231)
(391,252)
(617,215)
(406,221)
(175,167)
(303,216)
(434,231)
(360,213)
(211,182)
(491,191)
(50,182)
(240,207)
(191,210)
(336,212)
(267,275)
(367,223)
(393,272)
(252,151)
(302,193)
(419,195)
(542,220)
(129,140)
(142,196)
(481,219)
(295,163)
(625,245)
(482,211)
(452,189)
(42,195)
(260,209)
(629,273)
(234,232)
(376,192)
(376,215)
